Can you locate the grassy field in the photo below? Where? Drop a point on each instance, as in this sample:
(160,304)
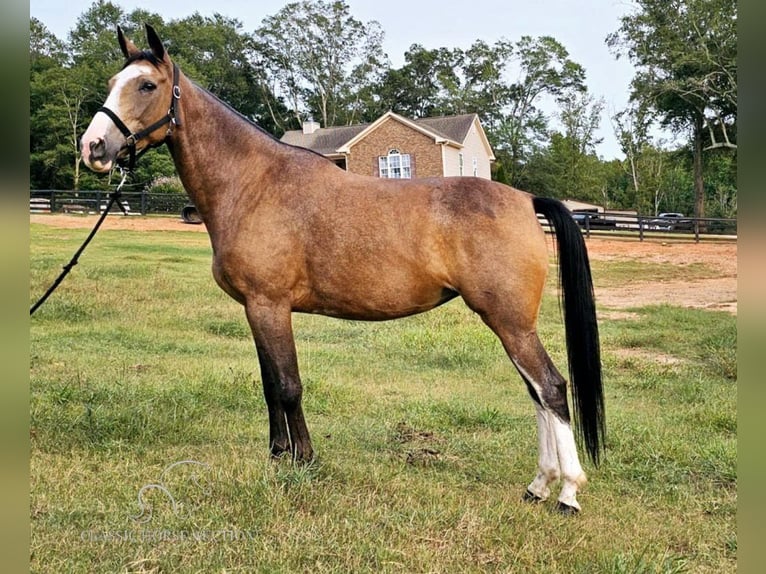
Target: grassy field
(425,435)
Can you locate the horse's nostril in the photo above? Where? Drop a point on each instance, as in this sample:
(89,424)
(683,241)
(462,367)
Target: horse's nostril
(97,148)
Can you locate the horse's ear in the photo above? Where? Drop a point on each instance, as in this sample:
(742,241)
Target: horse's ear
(155,43)
(128,48)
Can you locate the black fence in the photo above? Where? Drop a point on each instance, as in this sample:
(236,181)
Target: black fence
(620,223)
(592,223)
(133,202)
(651,226)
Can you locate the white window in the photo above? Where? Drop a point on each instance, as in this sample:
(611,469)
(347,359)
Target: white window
(460,163)
(395,165)
(475,167)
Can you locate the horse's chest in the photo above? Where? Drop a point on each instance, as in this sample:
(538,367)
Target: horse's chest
(245,274)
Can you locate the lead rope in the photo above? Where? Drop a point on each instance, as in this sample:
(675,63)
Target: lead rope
(114,196)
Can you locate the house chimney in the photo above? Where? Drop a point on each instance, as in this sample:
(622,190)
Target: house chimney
(310,126)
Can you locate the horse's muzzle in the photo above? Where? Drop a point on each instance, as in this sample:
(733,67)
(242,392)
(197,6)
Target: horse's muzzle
(96,154)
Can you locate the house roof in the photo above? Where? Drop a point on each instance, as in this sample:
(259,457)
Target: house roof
(326,141)
(452,127)
(445,129)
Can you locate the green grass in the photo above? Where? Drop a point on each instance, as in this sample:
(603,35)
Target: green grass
(614,273)
(425,435)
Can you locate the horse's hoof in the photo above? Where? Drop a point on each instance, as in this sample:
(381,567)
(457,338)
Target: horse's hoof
(530,496)
(277,456)
(566,510)
(305,459)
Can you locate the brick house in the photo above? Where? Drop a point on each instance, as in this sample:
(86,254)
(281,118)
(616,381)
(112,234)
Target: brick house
(397,147)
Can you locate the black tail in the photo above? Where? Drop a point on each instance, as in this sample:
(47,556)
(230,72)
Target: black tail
(579,304)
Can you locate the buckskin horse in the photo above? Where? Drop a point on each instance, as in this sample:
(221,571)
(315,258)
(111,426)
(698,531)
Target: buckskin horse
(293,232)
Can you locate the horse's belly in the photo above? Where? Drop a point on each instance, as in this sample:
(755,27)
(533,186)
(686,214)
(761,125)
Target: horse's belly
(375,301)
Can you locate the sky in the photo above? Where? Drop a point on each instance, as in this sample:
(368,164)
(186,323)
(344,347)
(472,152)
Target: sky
(580,26)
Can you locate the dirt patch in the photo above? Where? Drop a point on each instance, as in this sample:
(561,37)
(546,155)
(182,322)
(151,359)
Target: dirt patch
(655,356)
(116,222)
(718,292)
(618,315)
(421,445)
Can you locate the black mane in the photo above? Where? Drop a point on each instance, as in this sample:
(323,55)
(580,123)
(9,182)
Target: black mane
(145,56)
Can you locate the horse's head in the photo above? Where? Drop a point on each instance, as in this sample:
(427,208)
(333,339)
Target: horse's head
(136,110)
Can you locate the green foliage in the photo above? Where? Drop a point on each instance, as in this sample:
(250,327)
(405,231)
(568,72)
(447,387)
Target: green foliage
(165,184)
(721,183)
(321,57)
(685,52)
(568,167)
(686,55)
(219,55)
(424,86)
(314,58)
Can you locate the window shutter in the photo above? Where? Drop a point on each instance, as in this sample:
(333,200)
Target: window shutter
(376,166)
(413,175)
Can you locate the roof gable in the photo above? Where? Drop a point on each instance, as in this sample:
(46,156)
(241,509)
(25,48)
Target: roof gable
(454,128)
(391,116)
(449,130)
(325,140)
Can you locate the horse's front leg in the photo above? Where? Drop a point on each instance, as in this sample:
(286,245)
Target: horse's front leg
(279,437)
(272,330)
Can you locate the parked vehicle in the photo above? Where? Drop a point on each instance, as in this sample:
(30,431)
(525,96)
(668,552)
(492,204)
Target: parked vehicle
(592,220)
(670,222)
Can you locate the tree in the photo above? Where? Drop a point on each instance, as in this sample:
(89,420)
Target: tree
(320,58)
(721,183)
(543,69)
(68,83)
(645,162)
(57,109)
(92,46)
(685,54)
(631,128)
(45,49)
(424,86)
(485,87)
(580,116)
(219,55)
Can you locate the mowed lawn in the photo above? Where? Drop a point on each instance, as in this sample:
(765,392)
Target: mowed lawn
(424,432)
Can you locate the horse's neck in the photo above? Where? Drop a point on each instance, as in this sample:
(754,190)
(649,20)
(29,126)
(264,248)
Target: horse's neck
(209,148)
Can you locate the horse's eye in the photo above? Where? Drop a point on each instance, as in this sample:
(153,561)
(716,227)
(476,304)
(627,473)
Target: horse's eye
(148,87)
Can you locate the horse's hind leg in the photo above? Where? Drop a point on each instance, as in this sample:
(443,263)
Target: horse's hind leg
(548,467)
(557,451)
(557,459)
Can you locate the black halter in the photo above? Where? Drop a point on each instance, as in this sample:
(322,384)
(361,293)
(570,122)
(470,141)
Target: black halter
(134,138)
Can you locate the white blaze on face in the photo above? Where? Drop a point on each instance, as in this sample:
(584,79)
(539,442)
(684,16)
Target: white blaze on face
(102,128)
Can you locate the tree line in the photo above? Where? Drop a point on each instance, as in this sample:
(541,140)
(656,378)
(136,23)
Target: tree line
(314,59)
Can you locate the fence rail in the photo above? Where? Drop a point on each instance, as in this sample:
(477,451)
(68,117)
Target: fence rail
(603,223)
(133,202)
(651,226)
